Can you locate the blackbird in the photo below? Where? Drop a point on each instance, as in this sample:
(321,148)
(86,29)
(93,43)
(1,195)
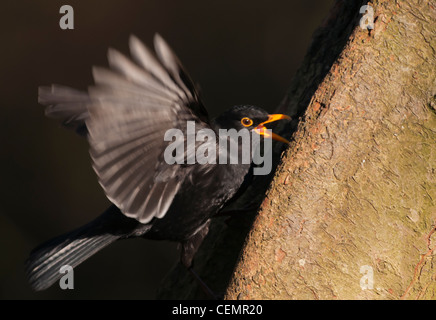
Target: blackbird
(125,116)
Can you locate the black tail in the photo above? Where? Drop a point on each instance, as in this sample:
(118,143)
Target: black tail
(45,261)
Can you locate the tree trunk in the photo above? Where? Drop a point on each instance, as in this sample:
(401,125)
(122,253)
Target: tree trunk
(351,211)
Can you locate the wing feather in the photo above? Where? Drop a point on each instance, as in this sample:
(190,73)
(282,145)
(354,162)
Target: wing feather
(125,115)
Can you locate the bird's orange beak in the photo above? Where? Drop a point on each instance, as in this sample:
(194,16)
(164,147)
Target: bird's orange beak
(261,129)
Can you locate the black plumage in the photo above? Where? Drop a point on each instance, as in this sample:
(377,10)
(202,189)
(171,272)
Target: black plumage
(125,116)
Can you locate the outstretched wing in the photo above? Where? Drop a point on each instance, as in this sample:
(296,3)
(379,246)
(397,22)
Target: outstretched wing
(126,115)
(69,106)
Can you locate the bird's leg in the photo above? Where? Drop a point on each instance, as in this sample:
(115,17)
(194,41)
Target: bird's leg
(189,249)
(190,246)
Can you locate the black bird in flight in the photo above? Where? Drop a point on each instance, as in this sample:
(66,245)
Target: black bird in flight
(125,116)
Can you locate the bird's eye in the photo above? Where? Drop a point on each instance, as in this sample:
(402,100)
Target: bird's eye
(246,122)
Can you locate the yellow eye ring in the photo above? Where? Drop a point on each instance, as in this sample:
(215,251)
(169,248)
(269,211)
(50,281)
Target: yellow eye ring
(246,122)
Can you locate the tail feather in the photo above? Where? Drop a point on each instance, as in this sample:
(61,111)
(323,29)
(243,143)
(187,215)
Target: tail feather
(44,263)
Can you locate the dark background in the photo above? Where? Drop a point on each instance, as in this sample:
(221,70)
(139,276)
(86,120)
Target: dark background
(241,52)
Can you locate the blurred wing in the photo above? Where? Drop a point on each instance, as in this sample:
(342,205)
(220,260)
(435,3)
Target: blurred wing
(126,114)
(135,104)
(69,106)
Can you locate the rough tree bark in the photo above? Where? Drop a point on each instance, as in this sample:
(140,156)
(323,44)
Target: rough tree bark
(354,197)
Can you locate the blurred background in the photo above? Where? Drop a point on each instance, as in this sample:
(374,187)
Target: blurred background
(240,52)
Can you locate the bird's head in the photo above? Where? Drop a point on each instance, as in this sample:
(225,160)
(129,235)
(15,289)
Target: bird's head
(251,118)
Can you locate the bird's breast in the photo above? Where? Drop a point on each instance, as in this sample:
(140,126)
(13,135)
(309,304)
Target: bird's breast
(200,197)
